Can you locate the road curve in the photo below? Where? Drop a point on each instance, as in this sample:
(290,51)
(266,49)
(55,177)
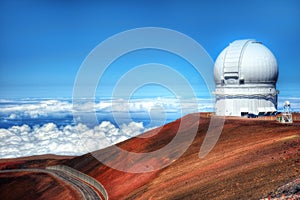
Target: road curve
(82,177)
(87,192)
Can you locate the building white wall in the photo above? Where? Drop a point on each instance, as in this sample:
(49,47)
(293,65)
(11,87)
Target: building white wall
(236,101)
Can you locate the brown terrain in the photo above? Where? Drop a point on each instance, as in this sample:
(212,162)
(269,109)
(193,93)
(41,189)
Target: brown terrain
(251,160)
(30,185)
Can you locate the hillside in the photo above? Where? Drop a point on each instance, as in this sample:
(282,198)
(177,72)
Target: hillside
(251,159)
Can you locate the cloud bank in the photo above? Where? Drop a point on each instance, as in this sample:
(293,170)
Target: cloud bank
(46,126)
(34,127)
(19,141)
(44,108)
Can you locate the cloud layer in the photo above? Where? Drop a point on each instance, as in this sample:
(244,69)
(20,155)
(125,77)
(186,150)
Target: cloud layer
(34,127)
(44,108)
(22,140)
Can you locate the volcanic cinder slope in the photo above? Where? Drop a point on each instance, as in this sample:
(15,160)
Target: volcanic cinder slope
(251,159)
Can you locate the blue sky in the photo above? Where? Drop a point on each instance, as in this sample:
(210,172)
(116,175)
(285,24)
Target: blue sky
(43,43)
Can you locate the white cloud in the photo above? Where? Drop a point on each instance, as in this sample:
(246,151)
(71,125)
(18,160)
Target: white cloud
(44,108)
(34,108)
(22,140)
(12,116)
(25,140)
(132,129)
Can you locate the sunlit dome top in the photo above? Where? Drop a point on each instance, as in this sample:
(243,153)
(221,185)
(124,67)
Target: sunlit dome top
(246,61)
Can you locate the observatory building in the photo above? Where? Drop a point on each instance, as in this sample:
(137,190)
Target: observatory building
(245,74)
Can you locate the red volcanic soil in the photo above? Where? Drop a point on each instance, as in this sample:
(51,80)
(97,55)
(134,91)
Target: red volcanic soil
(251,159)
(33,185)
(40,161)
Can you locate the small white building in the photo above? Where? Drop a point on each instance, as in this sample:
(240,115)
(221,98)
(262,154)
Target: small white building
(245,74)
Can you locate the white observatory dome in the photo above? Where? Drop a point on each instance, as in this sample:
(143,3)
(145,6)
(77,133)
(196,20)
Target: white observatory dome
(247,60)
(246,73)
